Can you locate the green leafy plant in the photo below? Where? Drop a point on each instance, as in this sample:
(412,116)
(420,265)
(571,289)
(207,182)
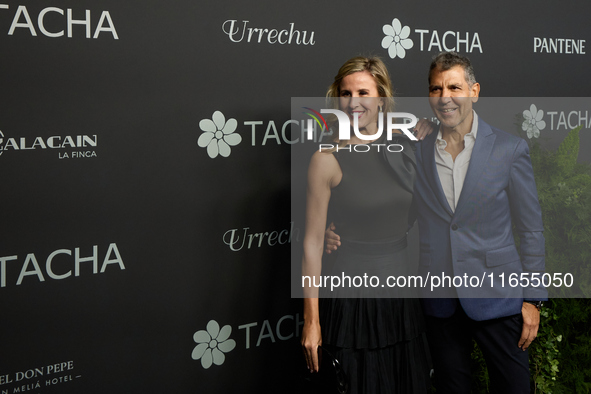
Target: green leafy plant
(564,190)
(544,353)
(574,324)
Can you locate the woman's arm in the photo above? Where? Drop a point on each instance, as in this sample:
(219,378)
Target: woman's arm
(324,173)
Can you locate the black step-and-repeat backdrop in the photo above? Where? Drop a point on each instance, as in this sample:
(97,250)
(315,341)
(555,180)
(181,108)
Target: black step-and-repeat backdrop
(145,232)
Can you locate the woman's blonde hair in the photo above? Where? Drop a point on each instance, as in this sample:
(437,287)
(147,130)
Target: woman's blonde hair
(378,70)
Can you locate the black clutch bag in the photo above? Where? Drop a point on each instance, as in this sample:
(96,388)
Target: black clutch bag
(330,379)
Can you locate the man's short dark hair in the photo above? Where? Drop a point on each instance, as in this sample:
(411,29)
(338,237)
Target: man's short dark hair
(446,60)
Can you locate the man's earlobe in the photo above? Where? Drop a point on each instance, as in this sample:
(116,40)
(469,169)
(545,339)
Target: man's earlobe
(475,91)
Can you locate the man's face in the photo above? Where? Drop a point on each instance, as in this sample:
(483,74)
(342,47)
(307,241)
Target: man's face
(451,98)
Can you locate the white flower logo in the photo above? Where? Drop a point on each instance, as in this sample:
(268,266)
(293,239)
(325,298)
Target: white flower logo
(533,122)
(396,40)
(212,344)
(218,135)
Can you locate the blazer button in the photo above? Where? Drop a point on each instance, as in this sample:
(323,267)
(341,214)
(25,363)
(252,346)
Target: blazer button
(454,227)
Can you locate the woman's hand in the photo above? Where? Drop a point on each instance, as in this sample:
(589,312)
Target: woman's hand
(311,339)
(331,239)
(423,128)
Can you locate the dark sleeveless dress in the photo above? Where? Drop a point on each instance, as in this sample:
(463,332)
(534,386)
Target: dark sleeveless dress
(377,336)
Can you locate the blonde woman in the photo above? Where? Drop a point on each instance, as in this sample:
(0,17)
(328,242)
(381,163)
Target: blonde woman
(377,337)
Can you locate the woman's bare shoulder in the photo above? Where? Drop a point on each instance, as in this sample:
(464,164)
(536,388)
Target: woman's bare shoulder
(324,165)
(325,160)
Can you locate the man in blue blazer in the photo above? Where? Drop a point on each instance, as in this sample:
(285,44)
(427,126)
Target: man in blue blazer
(473,182)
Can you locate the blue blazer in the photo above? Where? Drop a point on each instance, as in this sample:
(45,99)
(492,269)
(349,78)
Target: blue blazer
(477,239)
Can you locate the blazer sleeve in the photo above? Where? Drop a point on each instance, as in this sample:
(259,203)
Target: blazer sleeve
(527,218)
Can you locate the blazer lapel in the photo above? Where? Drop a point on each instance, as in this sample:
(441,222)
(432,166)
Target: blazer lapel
(485,140)
(430,169)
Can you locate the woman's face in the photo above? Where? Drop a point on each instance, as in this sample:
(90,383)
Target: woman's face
(359,97)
